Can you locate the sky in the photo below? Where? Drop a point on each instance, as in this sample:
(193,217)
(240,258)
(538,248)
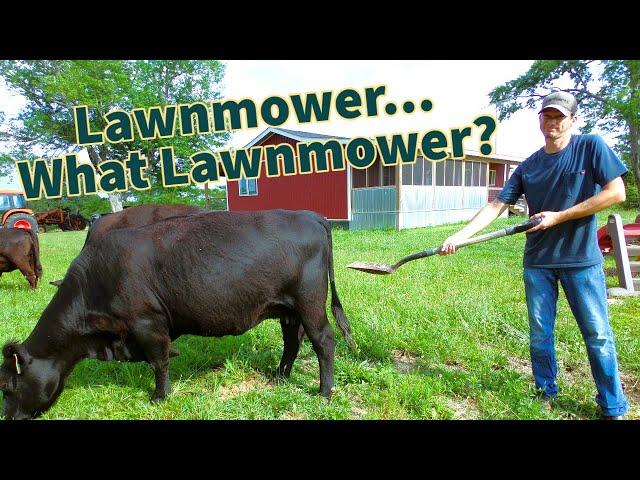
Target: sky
(458,90)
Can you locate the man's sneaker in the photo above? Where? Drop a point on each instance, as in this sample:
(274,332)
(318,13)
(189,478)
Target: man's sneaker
(612,417)
(546,401)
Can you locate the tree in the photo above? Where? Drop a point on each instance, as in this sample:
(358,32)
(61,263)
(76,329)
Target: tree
(608,92)
(52,88)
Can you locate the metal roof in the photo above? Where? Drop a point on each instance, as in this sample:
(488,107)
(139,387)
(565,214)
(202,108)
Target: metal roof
(310,136)
(296,135)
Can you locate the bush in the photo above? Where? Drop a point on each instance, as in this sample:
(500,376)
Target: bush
(633,196)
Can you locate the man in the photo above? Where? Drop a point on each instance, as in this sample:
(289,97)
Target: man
(565,183)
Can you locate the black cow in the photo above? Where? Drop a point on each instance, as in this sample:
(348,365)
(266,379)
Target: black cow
(20,249)
(133,217)
(131,292)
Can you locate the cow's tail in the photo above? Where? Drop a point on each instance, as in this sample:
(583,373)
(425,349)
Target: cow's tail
(35,253)
(336,306)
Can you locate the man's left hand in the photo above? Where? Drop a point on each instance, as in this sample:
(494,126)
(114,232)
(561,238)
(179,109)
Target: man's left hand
(549,219)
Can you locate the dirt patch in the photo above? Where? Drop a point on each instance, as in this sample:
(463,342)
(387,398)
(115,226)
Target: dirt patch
(631,388)
(574,373)
(404,361)
(454,365)
(523,367)
(464,408)
(357,408)
(229,391)
(294,416)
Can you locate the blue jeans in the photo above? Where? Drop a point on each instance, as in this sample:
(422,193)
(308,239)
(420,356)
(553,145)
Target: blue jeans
(585,290)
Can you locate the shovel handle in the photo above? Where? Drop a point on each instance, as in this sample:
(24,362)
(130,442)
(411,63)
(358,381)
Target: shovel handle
(425,253)
(523,227)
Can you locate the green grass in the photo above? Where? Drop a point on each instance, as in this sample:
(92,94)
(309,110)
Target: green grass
(442,338)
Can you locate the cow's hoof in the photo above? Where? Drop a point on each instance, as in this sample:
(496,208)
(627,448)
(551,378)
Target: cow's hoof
(157,397)
(326,394)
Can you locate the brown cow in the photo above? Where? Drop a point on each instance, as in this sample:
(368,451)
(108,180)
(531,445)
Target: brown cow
(134,217)
(19,249)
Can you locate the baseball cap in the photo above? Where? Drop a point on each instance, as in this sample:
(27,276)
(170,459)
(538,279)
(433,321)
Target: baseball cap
(562,101)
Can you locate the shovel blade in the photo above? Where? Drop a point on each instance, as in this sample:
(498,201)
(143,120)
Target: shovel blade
(374,268)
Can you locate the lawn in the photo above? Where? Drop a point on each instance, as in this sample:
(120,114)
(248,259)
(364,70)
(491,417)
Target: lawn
(442,338)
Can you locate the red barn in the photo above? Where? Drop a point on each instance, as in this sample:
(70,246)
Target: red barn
(420,194)
(326,193)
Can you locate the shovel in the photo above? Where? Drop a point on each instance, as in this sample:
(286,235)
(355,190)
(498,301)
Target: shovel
(384,269)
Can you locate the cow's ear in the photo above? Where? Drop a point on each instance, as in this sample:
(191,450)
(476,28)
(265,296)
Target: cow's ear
(16,356)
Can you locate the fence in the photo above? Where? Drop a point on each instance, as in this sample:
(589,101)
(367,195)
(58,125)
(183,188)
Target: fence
(624,239)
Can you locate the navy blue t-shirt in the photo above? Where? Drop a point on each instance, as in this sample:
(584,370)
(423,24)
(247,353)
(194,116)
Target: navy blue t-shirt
(555,182)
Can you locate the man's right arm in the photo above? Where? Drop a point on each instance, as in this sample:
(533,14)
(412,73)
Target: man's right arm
(481,219)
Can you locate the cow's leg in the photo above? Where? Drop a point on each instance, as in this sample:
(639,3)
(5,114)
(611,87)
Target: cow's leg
(311,298)
(292,334)
(26,270)
(156,346)
(322,339)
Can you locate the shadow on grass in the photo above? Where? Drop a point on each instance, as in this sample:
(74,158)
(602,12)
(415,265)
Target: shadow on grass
(199,356)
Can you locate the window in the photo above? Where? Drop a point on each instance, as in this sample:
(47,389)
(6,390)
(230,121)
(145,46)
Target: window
(492,178)
(417,172)
(440,173)
(457,178)
(407,174)
(5,204)
(448,172)
(475,174)
(468,174)
(248,187)
(428,172)
(359,179)
(19,201)
(477,167)
(388,176)
(376,175)
(373,175)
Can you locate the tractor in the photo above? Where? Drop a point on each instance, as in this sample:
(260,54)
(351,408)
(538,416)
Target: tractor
(14,212)
(63,218)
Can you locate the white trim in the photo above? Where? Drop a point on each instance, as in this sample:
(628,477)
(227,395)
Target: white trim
(258,138)
(226,192)
(495,177)
(386,186)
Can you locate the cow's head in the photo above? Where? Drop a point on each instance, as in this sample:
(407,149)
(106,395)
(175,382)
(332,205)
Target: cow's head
(29,385)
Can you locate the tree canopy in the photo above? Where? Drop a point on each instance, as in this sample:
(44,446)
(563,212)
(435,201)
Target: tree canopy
(45,125)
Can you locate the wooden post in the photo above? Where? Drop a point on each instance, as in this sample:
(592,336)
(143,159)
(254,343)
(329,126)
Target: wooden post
(207,202)
(398,194)
(616,232)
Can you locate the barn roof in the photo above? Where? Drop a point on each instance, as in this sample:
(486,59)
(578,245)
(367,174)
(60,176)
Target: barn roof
(309,137)
(294,134)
